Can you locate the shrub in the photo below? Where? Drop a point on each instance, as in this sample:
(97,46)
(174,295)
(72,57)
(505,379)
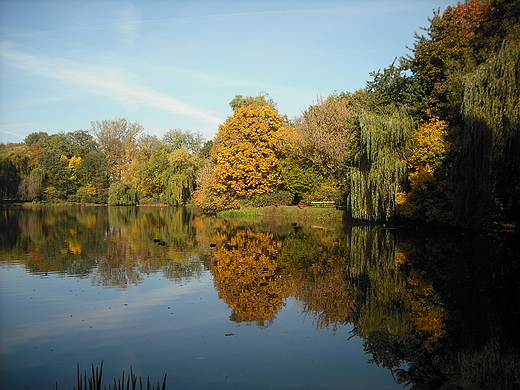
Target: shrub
(274,198)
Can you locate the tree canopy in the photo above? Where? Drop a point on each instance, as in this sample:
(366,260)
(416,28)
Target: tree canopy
(246,151)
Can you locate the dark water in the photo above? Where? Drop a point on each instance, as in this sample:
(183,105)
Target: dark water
(230,305)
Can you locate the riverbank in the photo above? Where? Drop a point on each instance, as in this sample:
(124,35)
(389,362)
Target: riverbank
(290,213)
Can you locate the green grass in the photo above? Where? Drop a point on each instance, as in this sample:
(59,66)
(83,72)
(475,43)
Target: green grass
(290,213)
(247,213)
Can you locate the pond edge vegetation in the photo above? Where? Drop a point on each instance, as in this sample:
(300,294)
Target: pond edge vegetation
(129,382)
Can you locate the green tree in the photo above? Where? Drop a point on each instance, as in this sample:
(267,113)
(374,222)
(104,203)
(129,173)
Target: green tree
(487,177)
(148,173)
(123,194)
(180,178)
(299,177)
(378,172)
(183,139)
(394,85)
(14,162)
(54,161)
(262,99)
(92,176)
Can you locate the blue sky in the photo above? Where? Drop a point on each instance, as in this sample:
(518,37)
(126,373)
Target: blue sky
(178,64)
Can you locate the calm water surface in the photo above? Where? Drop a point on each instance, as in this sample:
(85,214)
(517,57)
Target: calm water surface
(235,305)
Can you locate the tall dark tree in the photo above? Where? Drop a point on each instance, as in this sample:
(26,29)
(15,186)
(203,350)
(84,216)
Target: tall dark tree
(487,177)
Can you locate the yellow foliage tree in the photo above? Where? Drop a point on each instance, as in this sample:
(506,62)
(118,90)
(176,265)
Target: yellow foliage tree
(430,150)
(74,163)
(246,151)
(247,274)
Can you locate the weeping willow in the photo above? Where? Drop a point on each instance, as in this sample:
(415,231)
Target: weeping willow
(123,194)
(373,262)
(487,177)
(379,171)
(179,187)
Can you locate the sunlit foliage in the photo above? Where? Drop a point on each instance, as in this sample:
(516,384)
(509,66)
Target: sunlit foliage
(262,99)
(378,172)
(246,151)
(118,139)
(247,275)
(426,174)
(326,134)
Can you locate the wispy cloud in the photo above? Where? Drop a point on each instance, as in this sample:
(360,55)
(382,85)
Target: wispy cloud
(129,24)
(104,81)
(11,133)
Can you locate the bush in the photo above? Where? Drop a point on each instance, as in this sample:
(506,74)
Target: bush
(275,198)
(52,195)
(86,194)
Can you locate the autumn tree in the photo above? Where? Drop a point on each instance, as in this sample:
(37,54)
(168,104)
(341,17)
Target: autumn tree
(31,186)
(246,151)
(428,198)
(326,133)
(118,139)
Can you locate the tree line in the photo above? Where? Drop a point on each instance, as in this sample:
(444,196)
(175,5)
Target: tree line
(434,137)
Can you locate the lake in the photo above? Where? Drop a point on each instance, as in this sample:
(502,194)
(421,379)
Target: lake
(222,304)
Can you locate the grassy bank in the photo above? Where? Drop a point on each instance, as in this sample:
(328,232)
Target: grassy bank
(289,213)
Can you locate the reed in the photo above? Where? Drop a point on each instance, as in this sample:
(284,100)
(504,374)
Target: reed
(127,382)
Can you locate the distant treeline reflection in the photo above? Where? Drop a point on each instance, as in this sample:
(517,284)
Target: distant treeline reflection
(441,311)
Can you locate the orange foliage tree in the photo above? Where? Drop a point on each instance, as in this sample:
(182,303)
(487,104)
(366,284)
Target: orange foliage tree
(246,151)
(247,274)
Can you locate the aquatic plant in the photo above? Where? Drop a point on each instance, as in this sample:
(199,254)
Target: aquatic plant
(127,382)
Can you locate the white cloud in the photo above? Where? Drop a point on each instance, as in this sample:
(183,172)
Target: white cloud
(105,81)
(11,133)
(128,25)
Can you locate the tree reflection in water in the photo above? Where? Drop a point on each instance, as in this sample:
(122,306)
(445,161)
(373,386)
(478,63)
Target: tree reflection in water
(441,311)
(115,247)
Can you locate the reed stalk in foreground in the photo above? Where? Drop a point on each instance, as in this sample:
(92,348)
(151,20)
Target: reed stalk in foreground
(129,382)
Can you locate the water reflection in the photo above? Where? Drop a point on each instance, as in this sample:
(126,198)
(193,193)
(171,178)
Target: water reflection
(440,311)
(114,247)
